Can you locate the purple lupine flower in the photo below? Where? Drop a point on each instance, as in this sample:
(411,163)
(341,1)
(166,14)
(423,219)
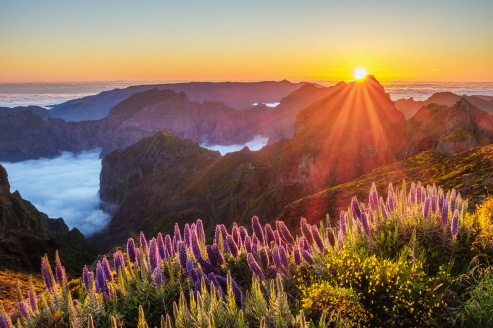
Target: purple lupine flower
(100,278)
(86,279)
(160,246)
(232,245)
(269,234)
(275,257)
(255,267)
(143,242)
(218,254)
(187,235)
(373,197)
(283,257)
(297,256)
(453,200)
(306,231)
(285,234)
(273,270)
(182,254)
(302,243)
(47,274)
(190,267)
(264,257)
(454,229)
(411,198)
(176,238)
(391,201)
(355,208)
(248,244)
(331,238)
(158,277)
(255,243)
(434,203)
(371,215)
(365,224)
(33,302)
(153,255)
(137,257)
(235,232)
(418,193)
(445,213)
(168,247)
(23,309)
(200,230)
(118,261)
(243,233)
(440,200)
(217,234)
(237,293)
(257,229)
(131,250)
(277,237)
(426,207)
(210,255)
(197,253)
(224,233)
(342,221)
(5,321)
(213,279)
(306,256)
(383,208)
(59,270)
(316,237)
(106,268)
(340,239)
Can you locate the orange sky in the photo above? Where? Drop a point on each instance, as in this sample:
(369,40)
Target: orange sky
(155,40)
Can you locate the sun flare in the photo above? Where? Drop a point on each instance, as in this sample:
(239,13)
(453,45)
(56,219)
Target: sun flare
(359,73)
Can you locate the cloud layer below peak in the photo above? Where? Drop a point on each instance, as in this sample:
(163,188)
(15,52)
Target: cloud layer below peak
(66,186)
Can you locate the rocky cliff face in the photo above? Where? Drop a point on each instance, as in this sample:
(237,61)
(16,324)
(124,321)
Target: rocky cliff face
(450,129)
(27,234)
(164,179)
(342,136)
(410,106)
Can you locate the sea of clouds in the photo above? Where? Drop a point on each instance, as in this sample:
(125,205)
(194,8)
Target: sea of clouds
(255,144)
(66,186)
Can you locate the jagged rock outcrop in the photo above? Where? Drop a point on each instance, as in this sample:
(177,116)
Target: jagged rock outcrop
(409,106)
(450,129)
(27,234)
(341,137)
(164,179)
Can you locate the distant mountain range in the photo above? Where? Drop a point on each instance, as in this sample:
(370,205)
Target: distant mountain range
(320,138)
(237,95)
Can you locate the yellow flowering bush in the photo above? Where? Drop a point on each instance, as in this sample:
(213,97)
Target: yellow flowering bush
(335,302)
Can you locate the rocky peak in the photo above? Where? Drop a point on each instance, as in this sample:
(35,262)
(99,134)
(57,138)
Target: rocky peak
(4,181)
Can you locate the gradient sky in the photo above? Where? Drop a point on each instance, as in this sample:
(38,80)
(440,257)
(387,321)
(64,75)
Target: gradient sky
(441,40)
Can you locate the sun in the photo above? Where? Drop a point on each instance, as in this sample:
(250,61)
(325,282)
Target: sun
(359,73)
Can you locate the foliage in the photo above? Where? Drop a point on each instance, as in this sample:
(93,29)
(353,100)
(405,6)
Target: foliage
(389,262)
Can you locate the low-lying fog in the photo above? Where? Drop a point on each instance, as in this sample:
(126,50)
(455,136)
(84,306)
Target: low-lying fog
(256,144)
(65,187)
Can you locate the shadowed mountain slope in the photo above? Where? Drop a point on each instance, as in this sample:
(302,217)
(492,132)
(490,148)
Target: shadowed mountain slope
(237,95)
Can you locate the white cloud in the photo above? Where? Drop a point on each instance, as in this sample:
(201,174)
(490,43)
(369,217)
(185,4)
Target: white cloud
(256,144)
(66,186)
(274,104)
